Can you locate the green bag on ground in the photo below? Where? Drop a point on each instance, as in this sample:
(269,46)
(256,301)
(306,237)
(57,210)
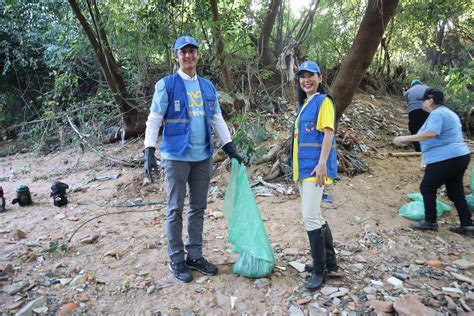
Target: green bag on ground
(470,197)
(470,202)
(246,230)
(416,210)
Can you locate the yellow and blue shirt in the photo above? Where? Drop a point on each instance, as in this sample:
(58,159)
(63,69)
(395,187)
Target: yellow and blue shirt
(325,119)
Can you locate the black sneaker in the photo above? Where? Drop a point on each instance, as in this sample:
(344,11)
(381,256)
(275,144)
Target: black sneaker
(463,230)
(202,265)
(424,225)
(180,271)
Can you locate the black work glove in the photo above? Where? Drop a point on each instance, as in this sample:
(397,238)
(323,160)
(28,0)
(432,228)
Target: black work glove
(230,150)
(150,163)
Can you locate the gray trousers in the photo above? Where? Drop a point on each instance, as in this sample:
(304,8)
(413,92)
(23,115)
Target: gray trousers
(197,176)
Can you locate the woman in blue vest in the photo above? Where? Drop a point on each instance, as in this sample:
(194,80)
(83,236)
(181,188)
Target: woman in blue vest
(187,106)
(446,157)
(314,162)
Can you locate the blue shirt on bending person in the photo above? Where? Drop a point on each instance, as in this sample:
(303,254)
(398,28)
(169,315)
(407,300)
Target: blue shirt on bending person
(446,157)
(448,142)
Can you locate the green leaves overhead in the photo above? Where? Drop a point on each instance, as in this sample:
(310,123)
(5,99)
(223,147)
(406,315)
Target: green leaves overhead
(47,64)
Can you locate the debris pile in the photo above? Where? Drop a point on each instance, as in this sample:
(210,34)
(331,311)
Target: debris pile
(386,274)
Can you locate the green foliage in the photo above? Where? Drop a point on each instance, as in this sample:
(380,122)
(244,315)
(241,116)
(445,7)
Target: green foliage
(335,26)
(250,135)
(438,33)
(53,246)
(47,65)
(460,88)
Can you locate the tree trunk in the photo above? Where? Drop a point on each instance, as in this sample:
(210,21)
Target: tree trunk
(279,34)
(228,84)
(436,63)
(265,51)
(369,35)
(133,119)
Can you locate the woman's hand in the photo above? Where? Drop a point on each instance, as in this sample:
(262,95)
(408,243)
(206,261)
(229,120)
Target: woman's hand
(320,172)
(400,140)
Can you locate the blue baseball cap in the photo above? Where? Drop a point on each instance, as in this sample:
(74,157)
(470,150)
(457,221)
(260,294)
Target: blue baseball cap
(185,41)
(309,66)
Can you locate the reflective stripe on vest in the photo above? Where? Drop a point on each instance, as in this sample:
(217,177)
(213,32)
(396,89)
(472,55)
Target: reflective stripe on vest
(315,145)
(177,121)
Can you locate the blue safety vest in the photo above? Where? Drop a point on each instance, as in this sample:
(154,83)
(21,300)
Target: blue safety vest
(310,141)
(176,119)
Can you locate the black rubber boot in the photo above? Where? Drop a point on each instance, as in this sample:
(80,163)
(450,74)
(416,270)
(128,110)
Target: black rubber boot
(331,261)
(318,253)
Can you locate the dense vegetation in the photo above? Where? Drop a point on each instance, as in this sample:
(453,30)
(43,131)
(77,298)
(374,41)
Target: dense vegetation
(49,69)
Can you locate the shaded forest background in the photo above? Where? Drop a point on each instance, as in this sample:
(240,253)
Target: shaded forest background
(93,64)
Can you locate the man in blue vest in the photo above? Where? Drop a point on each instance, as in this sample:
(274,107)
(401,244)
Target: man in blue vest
(187,106)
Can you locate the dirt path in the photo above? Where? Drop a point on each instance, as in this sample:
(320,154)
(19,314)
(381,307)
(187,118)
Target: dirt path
(130,254)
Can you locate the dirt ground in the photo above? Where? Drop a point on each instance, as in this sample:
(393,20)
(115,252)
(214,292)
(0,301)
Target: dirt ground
(125,270)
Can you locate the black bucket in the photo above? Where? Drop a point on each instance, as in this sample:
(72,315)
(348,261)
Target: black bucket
(23,196)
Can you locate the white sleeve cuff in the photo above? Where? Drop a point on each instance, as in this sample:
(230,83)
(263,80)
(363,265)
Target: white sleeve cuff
(153,125)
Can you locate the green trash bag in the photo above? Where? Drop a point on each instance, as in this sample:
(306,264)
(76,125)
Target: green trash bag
(441,207)
(246,230)
(470,202)
(471,185)
(470,197)
(416,210)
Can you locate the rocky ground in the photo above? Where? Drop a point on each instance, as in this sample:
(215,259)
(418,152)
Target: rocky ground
(70,260)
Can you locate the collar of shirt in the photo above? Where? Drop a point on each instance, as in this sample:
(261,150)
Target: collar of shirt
(310,97)
(186,76)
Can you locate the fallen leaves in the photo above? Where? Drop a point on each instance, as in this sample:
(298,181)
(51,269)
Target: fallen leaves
(18,234)
(67,309)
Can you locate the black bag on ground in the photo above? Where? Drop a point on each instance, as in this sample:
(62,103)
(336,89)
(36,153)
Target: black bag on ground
(58,192)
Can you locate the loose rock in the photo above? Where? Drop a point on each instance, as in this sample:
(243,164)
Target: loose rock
(381,306)
(16,287)
(464,264)
(410,305)
(27,310)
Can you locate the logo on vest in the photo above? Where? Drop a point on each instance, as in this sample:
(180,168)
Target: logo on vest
(177,106)
(309,127)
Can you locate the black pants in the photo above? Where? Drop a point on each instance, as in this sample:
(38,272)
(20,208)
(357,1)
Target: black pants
(450,173)
(416,119)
